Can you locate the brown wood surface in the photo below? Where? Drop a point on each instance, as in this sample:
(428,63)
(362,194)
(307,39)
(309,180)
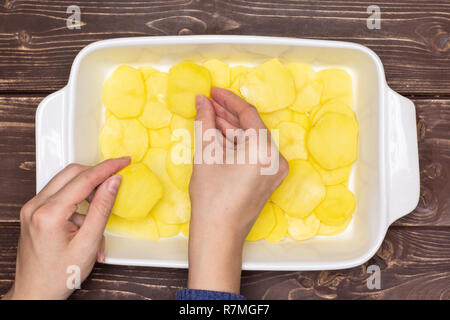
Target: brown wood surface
(37,50)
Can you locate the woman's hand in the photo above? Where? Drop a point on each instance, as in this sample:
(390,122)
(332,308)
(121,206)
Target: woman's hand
(227,198)
(53,237)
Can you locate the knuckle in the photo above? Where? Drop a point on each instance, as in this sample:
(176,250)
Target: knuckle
(26,211)
(75,167)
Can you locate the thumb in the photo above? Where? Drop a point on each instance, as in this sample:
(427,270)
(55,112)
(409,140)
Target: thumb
(205,112)
(99,210)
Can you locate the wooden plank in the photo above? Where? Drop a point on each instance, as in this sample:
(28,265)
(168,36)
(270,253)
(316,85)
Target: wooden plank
(17,159)
(414,264)
(37,49)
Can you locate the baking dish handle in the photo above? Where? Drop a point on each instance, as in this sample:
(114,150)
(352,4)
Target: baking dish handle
(49,138)
(403,180)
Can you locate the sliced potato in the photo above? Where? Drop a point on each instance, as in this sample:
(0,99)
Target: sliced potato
(308,97)
(156,115)
(139,191)
(107,113)
(273,119)
(185,229)
(303,228)
(155,159)
(281,226)
(179,164)
(302,74)
(338,205)
(157,84)
(166,230)
(123,93)
(337,83)
(188,129)
(269,86)
(332,177)
(328,230)
(333,106)
(146,71)
(236,72)
(174,208)
(301,191)
(264,224)
(186,80)
(220,73)
(160,138)
(333,141)
(141,229)
(126,137)
(292,141)
(301,119)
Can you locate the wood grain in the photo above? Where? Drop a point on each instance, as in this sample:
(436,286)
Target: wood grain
(414,264)
(37,50)
(17,159)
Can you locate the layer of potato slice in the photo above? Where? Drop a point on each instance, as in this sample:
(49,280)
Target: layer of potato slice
(156,115)
(166,230)
(301,119)
(146,71)
(273,119)
(269,86)
(281,225)
(125,137)
(333,141)
(292,141)
(187,132)
(337,83)
(160,138)
(141,229)
(338,205)
(329,230)
(264,224)
(139,191)
(219,71)
(333,106)
(184,228)
(308,97)
(156,85)
(301,191)
(179,164)
(302,74)
(186,80)
(123,93)
(303,228)
(332,177)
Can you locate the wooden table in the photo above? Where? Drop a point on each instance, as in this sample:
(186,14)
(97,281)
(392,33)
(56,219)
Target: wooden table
(37,50)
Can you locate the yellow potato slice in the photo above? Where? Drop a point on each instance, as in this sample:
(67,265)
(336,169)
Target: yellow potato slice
(156,85)
(332,177)
(220,73)
(308,97)
(337,83)
(188,129)
(185,229)
(141,229)
(301,119)
(292,141)
(333,106)
(302,74)
(281,226)
(107,114)
(179,164)
(304,228)
(264,224)
(273,119)
(146,71)
(156,115)
(328,230)
(333,141)
(186,80)
(127,137)
(160,138)
(166,230)
(123,92)
(237,71)
(139,191)
(269,86)
(155,159)
(338,205)
(301,191)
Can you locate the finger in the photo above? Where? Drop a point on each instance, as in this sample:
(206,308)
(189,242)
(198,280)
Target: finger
(77,219)
(82,185)
(246,113)
(99,210)
(101,251)
(225,114)
(223,125)
(205,112)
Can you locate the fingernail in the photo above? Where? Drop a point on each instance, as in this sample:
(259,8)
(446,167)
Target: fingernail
(114,183)
(125,158)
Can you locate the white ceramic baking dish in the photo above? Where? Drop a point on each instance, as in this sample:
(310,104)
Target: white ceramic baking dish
(385,178)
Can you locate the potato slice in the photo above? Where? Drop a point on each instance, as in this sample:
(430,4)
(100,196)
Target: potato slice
(337,83)
(186,80)
(155,159)
(328,230)
(333,106)
(304,228)
(264,224)
(281,225)
(301,191)
(160,138)
(107,113)
(236,72)
(123,93)
(333,141)
(141,229)
(127,137)
(338,205)
(220,73)
(157,84)
(179,164)
(273,119)
(302,74)
(156,115)
(166,230)
(182,123)
(139,191)
(308,97)
(269,86)
(146,71)
(301,119)
(185,229)
(292,141)
(332,177)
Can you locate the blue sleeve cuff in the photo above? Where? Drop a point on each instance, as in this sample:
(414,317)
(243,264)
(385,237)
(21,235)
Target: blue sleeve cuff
(193,294)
